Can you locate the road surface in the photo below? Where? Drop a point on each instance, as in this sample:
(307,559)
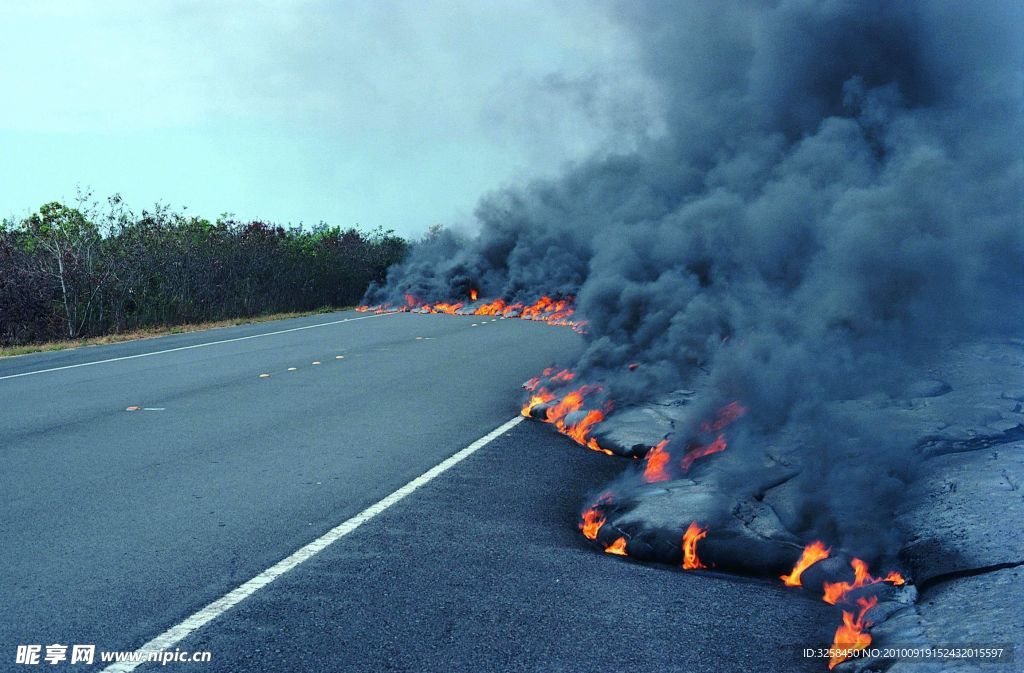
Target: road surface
(249,443)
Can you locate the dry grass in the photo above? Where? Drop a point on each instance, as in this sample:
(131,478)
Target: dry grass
(150,332)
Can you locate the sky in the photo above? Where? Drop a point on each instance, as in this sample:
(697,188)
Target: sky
(376,113)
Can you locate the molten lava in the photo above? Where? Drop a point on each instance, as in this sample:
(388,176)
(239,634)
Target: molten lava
(583,420)
(699,451)
(580,431)
(496,307)
(569,403)
(656,466)
(541,397)
(852,633)
(550,375)
(591,523)
(618,547)
(837,591)
(691,537)
(450,309)
(548,309)
(725,417)
(814,552)
(552,311)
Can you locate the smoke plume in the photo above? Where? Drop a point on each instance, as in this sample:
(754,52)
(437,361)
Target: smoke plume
(836,198)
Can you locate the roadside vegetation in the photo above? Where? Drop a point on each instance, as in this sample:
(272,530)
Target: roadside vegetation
(71,273)
(151,332)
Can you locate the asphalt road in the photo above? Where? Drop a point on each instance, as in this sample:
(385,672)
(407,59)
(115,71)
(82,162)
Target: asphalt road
(116,525)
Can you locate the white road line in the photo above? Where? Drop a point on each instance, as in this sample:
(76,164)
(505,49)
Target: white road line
(185,348)
(174,635)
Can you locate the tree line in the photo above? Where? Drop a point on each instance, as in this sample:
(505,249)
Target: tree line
(69,271)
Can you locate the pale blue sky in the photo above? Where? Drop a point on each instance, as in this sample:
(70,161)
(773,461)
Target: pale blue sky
(398,114)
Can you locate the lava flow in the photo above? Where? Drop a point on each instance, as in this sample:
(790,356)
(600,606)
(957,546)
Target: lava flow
(852,634)
(618,547)
(837,591)
(725,417)
(591,523)
(694,533)
(546,309)
(658,463)
(550,375)
(542,396)
(701,450)
(556,409)
(814,552)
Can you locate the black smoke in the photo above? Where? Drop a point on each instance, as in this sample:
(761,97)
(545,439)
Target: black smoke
(838,197)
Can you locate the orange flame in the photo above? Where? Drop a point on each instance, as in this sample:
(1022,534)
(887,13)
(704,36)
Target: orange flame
(541,397)
(726,416)
(443,307)
(560,377)
(552,311)
(836,591)
(894,578)
(692,535)
(548,309)
(657,463)
(496,307)
(700,451)
(551,375)
(591,523)
(578,430)
(572,401)
(618,547)
(814,552)
(852,634)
